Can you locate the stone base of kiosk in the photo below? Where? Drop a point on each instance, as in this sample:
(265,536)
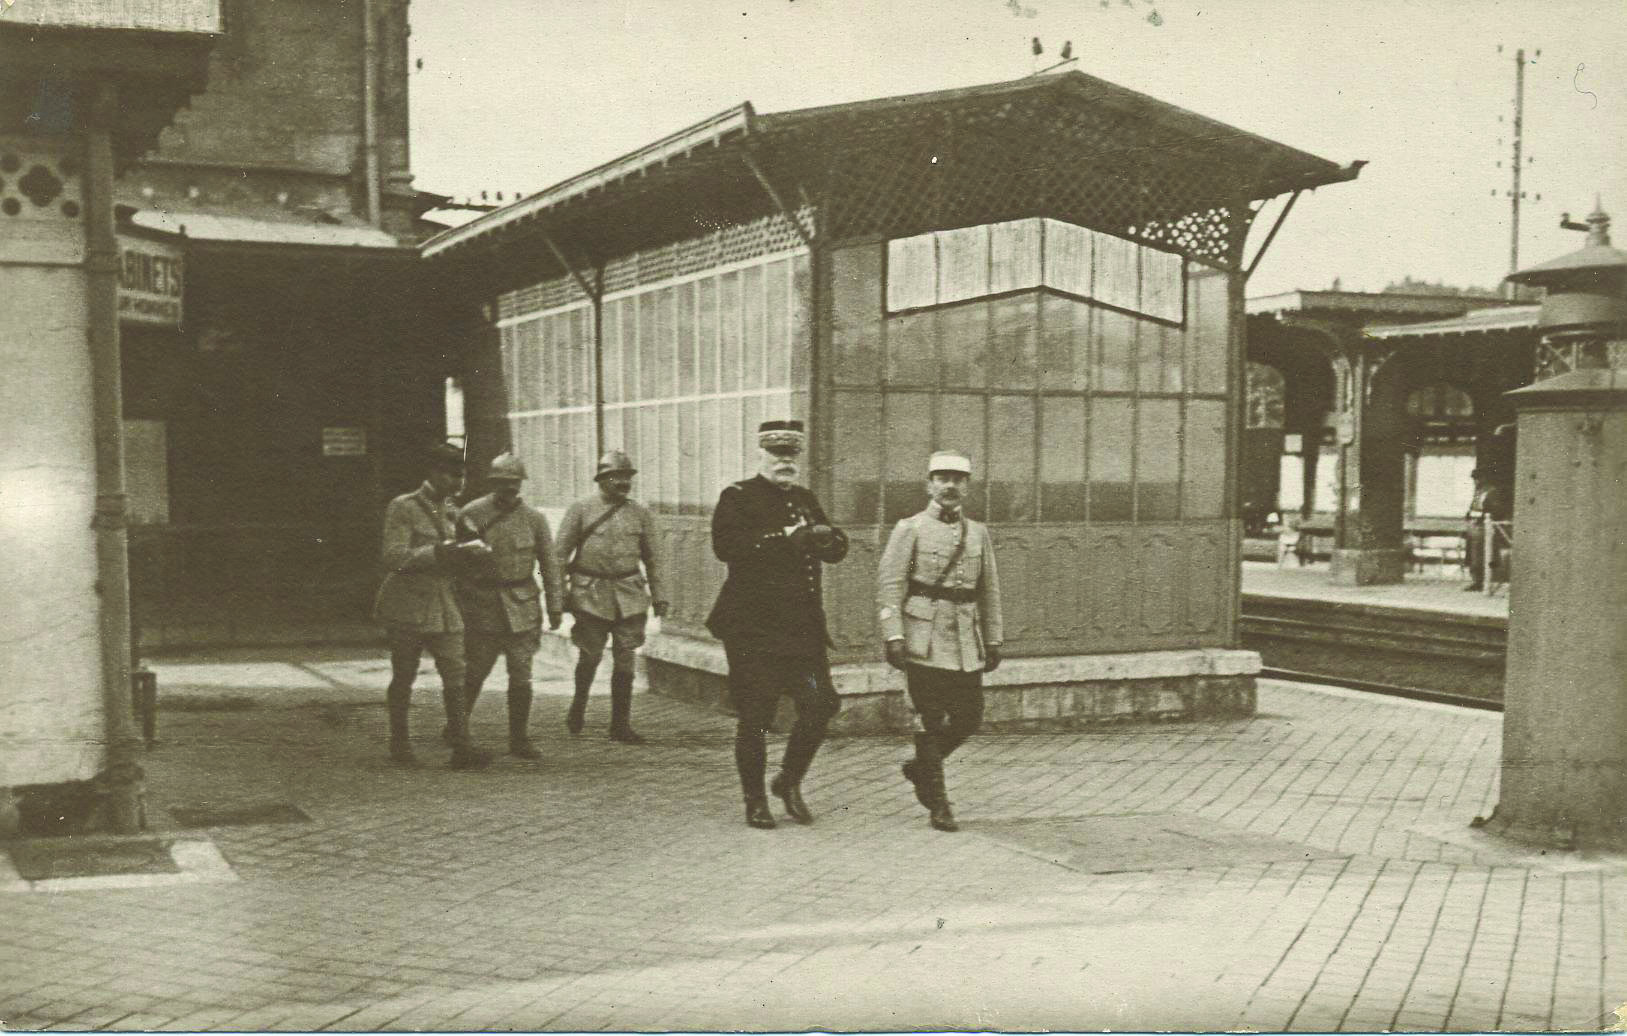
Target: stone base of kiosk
(1052,693)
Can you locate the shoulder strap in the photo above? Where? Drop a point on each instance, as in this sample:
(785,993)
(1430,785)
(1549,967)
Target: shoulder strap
(593,527)
(954,555)
(434,516)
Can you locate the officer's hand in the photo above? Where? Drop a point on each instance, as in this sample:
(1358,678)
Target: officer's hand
(897,657)
(661,609)
(821,536)
(556,620)
(991,658)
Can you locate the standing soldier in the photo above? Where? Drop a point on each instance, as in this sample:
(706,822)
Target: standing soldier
(773,535)
(603,540)
(418,607)
(939,601)
(499,595)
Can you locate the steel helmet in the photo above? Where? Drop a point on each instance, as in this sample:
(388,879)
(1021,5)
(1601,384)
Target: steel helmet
(615,463)
(506,466)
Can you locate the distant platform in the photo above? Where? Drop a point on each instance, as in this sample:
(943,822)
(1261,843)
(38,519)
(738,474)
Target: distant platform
(1431,590)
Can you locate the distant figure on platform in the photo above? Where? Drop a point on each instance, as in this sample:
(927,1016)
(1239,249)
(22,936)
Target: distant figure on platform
(939,604)
(417,604)
(604,540)
(774,536)
(502,606)
(1493,500)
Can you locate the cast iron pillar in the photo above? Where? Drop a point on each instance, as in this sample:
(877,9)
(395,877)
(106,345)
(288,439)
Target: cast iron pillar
(1564,776)
(1368,528)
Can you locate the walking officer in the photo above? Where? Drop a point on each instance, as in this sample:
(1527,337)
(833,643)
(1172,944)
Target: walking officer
(604,540)
(939,601)
(417,604)
(502,607)
(774,536)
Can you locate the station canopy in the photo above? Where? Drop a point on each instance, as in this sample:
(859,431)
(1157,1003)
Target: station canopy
(1069,146)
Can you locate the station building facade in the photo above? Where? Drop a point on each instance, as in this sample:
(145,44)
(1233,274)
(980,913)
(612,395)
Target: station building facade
(1044,274)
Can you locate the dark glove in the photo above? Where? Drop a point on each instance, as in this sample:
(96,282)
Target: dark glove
(661,608)
(991,657)
(555,620)
(820,537)
(897,657)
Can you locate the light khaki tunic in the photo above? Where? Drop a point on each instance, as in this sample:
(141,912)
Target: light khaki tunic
(417,592)
(606,580)
(938,633)
(499,594)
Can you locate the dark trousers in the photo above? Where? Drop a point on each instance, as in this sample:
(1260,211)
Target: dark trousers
(407,647)
(949,709)
(757,679)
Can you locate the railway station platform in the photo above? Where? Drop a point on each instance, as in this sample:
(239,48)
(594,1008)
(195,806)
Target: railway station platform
(1311,868)
(1427,636)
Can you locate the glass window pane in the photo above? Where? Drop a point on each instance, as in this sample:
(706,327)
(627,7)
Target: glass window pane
(912,354)
(1064,346)
(1111,449)
(1013,330)
(856,314)
(963,339)
(733,462)
(649,360)
(1114,340)
(627,319)
(649,462)
(689,457)
(1010,477)
(857,466)
(684,321)
(611,350)
(1205,469)
(1207,323)
(706,437)
(706,335)
(777,324)
(963,263)
(960,427)
(1062,459)
(1158,460)
(666,342)
(802,321)
(751,299)
(912,272)
(671,475)
(909,444)
(728,315)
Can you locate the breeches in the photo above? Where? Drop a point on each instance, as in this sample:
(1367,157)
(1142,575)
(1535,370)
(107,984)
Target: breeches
(757,680)
(407,647)
(949,707)
(515,648)
(626,636)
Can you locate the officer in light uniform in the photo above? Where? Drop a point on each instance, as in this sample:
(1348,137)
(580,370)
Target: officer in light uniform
(502,607)
(603,542)
(417,604)
(939,603)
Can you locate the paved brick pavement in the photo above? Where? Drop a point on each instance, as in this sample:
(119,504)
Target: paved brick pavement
(1309,869)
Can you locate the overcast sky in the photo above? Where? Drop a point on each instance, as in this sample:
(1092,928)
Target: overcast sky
(515,95)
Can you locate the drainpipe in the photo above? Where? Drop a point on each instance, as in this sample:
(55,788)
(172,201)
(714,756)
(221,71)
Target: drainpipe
(370,129)
(122,778)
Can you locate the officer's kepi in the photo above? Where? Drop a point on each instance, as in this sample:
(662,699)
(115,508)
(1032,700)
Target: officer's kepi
(946,460)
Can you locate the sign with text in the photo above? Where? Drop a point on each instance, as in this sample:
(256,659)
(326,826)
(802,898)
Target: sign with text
(344,442)
(151,279)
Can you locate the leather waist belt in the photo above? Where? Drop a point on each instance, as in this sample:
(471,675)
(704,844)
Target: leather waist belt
(595,574)
(957,594)
(504,584)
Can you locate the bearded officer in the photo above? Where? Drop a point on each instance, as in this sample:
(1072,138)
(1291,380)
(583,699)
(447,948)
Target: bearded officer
(418,607)
(939,603)
(502,606)
(603,541)
(774,537)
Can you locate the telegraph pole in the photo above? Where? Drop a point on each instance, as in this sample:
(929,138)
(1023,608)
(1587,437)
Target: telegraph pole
(1515,195)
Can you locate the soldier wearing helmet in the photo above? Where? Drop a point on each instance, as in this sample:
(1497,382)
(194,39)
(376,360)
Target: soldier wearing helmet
(607,543)
(939,604)
(417,603)
(502,606)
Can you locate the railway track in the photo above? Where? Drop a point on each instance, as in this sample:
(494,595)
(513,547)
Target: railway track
(1407,652)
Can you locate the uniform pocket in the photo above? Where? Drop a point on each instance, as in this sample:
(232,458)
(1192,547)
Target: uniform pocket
(919,613)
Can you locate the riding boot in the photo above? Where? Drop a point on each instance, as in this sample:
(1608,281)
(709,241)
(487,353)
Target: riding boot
(585,668)
(519,722)
(920,770)
(621,709)
(465,756)
(399,705)
(750,760)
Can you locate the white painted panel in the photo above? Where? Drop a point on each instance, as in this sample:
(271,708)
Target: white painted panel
(963,264)
(1014,255)
(912,272)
